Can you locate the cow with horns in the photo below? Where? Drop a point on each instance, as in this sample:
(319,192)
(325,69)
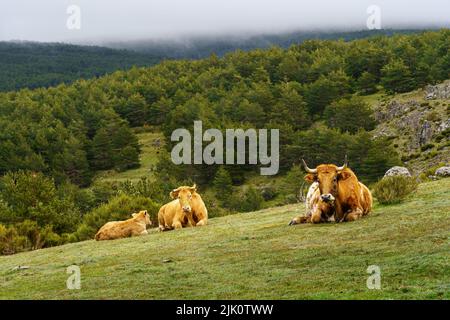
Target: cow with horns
(339,189)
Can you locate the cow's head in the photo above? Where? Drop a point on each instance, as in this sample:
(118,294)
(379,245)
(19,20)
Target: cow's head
(184,195)
(144,216)
(327,175)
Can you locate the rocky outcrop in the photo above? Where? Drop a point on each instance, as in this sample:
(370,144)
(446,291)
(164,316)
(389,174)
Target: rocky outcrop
(396,109)
(426,133)
(443,171)
(417,128)
(397,171)
(412,119)
(444,125)
(441,91)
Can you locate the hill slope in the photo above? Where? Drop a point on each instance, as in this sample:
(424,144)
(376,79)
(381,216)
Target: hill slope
(33,65)
(256,255)
(418,124)
(151,145)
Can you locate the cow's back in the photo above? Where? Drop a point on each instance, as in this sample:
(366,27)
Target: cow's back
(118,229)
(167,213)
(366,199)
(199,208)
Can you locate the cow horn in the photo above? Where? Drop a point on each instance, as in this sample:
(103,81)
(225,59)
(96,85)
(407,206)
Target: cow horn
(308,169)
(344,166)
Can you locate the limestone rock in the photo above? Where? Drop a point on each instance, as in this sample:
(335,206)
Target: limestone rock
(397,171)
(440,91)
(443,171)
(426,132)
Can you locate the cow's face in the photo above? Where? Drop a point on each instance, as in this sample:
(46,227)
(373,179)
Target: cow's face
(327,175)
(144,215)
(184,196)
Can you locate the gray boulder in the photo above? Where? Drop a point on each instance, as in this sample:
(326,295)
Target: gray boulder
(443,172)
(397,171)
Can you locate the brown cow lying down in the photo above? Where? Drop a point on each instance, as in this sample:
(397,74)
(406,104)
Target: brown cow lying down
(135,226)
(188,209)
(338,187)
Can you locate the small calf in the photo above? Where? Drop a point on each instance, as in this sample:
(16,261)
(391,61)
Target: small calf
(135,226)
(318,209)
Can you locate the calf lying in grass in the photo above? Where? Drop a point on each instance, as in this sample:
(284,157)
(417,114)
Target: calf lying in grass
(135,226)
(317,210)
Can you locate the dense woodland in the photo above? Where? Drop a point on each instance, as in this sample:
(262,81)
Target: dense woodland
(53,141)
(35,65)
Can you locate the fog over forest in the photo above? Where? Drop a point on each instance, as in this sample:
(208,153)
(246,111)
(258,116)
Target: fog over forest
(104,20)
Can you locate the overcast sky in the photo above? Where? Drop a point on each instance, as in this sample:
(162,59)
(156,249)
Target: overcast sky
(45,20)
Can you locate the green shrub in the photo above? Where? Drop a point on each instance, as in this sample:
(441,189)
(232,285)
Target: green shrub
(33,196)
(293,181)
(431,155)
(433,116)
(290,199)
(215,207)
(394,189)
(427,146)
(268,192)
(10,241)
(410,156)
(248,200)
(144,187)
(430,172)
(27,235)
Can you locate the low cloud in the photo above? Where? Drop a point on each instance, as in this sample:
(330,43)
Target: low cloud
(45,20)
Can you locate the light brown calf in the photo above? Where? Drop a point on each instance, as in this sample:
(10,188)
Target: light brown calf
(135,226)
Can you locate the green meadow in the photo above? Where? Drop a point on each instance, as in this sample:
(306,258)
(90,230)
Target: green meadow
(256,256)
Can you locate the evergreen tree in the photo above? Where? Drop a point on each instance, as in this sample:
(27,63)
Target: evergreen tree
(367,83)
(350,115)
(397,77)
(223,184)
(291,108)
(325,90)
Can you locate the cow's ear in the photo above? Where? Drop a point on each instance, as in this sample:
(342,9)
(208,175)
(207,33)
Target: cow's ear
(344,175)
(134,215)
(174,193)
(310,177)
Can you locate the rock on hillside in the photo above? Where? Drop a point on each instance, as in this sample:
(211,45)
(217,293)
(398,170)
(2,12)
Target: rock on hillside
(418,124)
(443,171)
(438,92)
(397,171)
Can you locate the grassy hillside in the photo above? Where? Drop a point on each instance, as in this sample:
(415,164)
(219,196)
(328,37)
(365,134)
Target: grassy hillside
(256,255)
(151,143)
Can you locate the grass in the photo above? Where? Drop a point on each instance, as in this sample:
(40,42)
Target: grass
(256,256)
(148,158)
